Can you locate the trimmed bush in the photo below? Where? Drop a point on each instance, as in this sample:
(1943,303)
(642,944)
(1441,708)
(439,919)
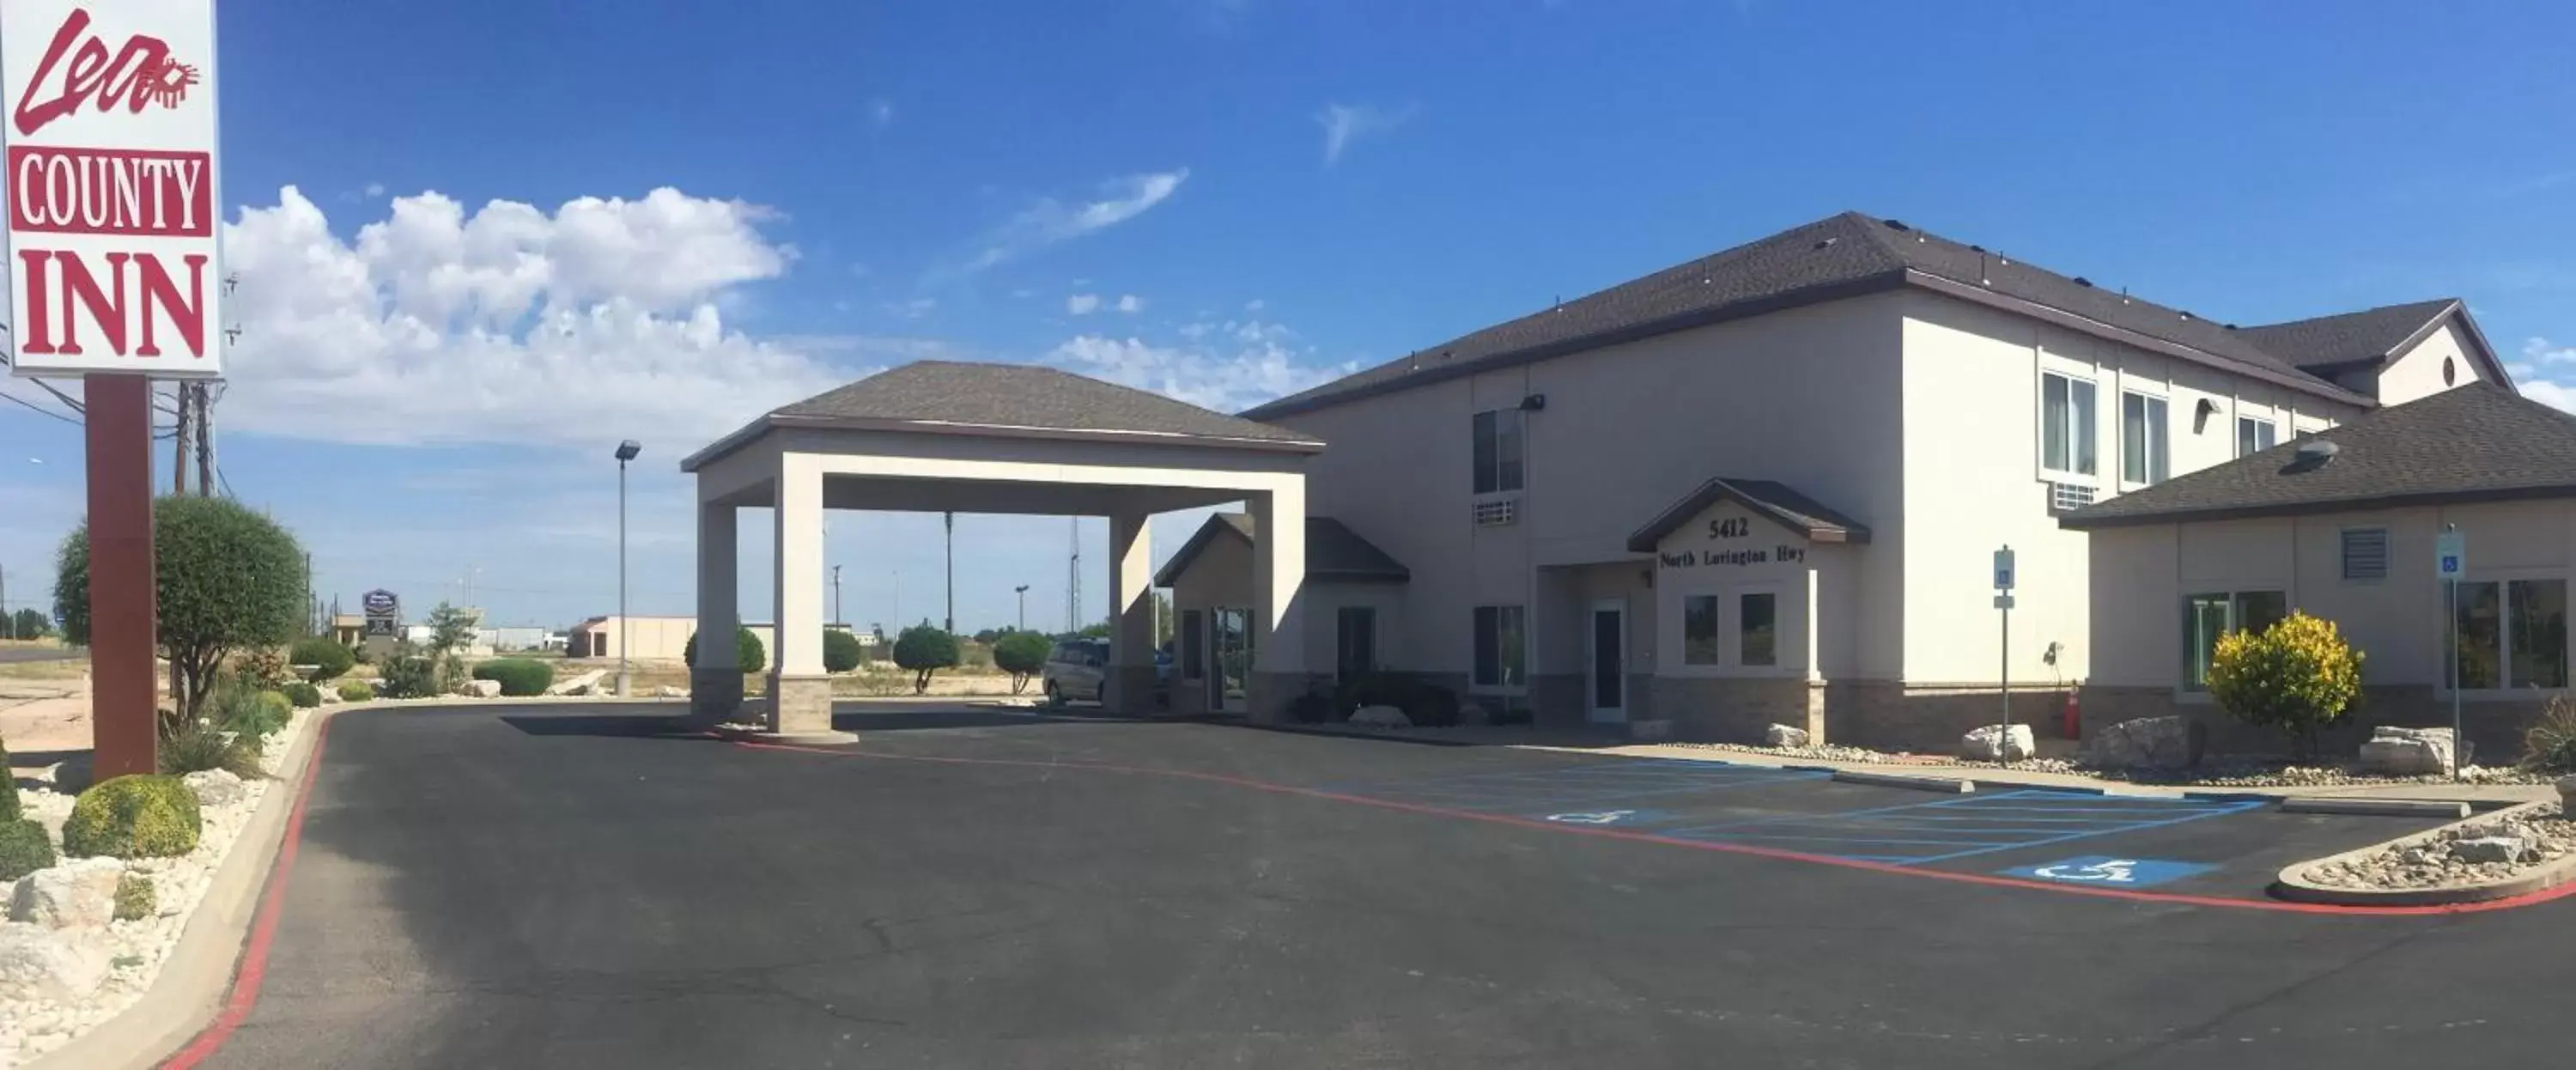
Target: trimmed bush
(408,673)
(8,788)
(841,651)
(194,746)
(356,691)
(134,898)
(276,709)
(139,816)
(924,650)
(1313,707)
(1424,703)
(24,848)
(748,654)
(328,658)
(2298,676)
(226,578)
(519,677)
(305,696)
(1023,655)
(258,714)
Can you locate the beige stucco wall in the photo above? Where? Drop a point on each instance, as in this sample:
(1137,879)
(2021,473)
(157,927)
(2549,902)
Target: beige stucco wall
(653,638)
(2418,372)
(1973,480)
(1806,397)
(1804,599)
(2399,623)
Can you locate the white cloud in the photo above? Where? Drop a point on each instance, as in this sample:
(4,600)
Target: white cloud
(1082,304)
(1262,365)
(1344,123)
(2540,357)
(2548,393)
(913,309)
(2542,351)
(880,112)
(1050,221)
(1131,303)
(375,189)
(509,325)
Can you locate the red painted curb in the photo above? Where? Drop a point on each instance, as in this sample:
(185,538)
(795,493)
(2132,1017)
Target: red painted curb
(2527,899)
(253,969)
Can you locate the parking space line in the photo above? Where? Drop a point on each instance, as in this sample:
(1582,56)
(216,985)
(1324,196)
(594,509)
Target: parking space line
(2007,821)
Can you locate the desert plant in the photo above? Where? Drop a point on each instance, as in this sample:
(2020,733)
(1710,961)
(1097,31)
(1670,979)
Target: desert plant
(8,789)
(328,658)
(356,691)
(30,623)
(1023,655)
(261,669)
(305,696)
(138,816)
(2298,676)
(841,651)
(407,672)
(242,711)
(225,577)
(2549,744)
(134,898)
(196,744)
(924,650)
(451,631)
(24,848)
(519,677)
(880,680)
(748,654)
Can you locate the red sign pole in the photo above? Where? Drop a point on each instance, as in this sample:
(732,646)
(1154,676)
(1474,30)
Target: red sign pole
(122,613)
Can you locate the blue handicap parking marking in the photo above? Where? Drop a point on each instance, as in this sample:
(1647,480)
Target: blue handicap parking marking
(1608,817)
(2111,872)
(1591,789)
(1921,833)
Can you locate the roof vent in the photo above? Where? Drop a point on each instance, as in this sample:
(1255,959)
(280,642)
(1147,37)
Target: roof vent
(1978,248)
(1897,224)
(2228,326)
(2312,455)
(1827,243)
(2083,282)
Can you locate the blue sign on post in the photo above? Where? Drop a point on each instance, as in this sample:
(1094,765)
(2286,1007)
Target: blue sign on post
(2105,871)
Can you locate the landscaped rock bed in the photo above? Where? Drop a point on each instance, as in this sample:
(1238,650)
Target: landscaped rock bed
(2476,852)
(1832,753)
(62,971)
(2283,774)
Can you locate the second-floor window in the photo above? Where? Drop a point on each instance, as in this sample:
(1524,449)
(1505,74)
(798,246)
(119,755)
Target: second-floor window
(1498,451)
(2144,453)
(2066,424)
(2254,436)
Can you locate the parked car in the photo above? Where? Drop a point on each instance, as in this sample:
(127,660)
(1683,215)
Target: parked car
(1074,671)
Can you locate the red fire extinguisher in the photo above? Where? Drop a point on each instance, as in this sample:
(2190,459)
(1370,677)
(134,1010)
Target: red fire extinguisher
(2071,719)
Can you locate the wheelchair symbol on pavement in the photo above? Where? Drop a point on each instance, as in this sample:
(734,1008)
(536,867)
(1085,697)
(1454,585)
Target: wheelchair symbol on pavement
(1605,817)
(2109,870)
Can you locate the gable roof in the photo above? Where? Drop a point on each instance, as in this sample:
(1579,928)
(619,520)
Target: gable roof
(1014,400)
(1840,256)
(2372,337)
(1777,501)
(2479,442)
(1333,551)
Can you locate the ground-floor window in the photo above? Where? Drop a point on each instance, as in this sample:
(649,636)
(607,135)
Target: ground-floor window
(1355,641)
(2205,617)
(1757,638)
(1502,649)
(1193,645)
(1699,630)
(2512,634)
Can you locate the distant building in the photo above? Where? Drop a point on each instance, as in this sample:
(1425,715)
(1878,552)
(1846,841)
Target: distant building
(657,638)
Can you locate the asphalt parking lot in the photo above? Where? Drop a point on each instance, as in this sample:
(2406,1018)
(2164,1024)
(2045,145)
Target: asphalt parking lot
(573,887)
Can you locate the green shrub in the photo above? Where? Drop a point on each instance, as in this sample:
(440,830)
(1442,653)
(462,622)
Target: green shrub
(225,578)
(139,816)
(924,651)
(2298,676)
(1021,654)
(24,848)
(8,788)
(305,696)
(328,658)
(356,691)
(258,714)
(748,655)
(841,651)
(1313,707)
(1424,703)
(194,745)
(262,669)
(408,673)
(134,898)
(277,708)
(2549,745)
(519,677)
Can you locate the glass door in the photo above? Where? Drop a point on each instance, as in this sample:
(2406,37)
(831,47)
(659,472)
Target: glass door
(1230,658)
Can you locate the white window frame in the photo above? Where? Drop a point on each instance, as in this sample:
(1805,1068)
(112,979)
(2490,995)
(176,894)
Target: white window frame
(2271,428)
(1788,630)
(2076,437)
(1519,433)
(1477,687)
(2507,690)
(2158,434)
(2235,592)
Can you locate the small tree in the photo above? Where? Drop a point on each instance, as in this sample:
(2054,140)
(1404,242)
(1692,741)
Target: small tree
(329,659)
(1021,654)
(924,650)
(226,578)
(2299,676)
(841,651)
(451,631)
(748,654)
(29,623)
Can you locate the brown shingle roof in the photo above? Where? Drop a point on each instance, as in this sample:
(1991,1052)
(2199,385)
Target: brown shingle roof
(2368,337)
(1778,501)
(1333,551)
(2480,442)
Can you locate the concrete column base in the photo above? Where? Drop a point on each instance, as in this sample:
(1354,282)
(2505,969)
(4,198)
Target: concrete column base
(715,696)
(800,711)
(1128,690)
(1267,695)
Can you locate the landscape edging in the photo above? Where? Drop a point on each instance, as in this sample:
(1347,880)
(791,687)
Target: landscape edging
(2292,884)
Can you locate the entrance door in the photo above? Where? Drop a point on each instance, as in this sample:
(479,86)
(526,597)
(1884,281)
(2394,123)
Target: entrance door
(1607,668)
(1229,658)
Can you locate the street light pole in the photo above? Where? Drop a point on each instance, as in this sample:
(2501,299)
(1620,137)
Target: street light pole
(1023,591)
(837,618)
(626,451)
(950,519)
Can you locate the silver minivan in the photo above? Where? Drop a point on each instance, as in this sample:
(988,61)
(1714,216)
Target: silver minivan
(1075,670)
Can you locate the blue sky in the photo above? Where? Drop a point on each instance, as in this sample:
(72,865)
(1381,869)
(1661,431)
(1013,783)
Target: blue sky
(473,289)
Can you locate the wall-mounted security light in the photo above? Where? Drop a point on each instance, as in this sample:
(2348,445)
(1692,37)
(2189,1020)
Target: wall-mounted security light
(1533,403)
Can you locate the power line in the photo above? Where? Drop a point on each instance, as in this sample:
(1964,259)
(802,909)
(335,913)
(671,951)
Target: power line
(41,410)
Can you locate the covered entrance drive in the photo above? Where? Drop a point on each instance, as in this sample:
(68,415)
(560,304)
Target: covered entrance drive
(993,438)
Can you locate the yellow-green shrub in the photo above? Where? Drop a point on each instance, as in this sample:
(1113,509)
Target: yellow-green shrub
(2298,676)
(135,899)
(138,816)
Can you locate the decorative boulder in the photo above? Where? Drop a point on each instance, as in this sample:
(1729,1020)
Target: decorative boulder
(2166,743)
(331,696)
(2407,751)
(578,685)
(479,689)
(36,964)
(80,894)
(1781,735)
(214,787)
(1993,743)
(670,691)
(1380,717)
(2484,849)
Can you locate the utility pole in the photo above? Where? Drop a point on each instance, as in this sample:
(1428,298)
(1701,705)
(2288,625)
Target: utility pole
(179,444)
(1073,582)
(9,620)
(837,618)
(205,441)
(1023,591)
(950,520)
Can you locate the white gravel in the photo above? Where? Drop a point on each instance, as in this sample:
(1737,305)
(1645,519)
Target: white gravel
(2547,838)
(136,949)
(1832,753)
